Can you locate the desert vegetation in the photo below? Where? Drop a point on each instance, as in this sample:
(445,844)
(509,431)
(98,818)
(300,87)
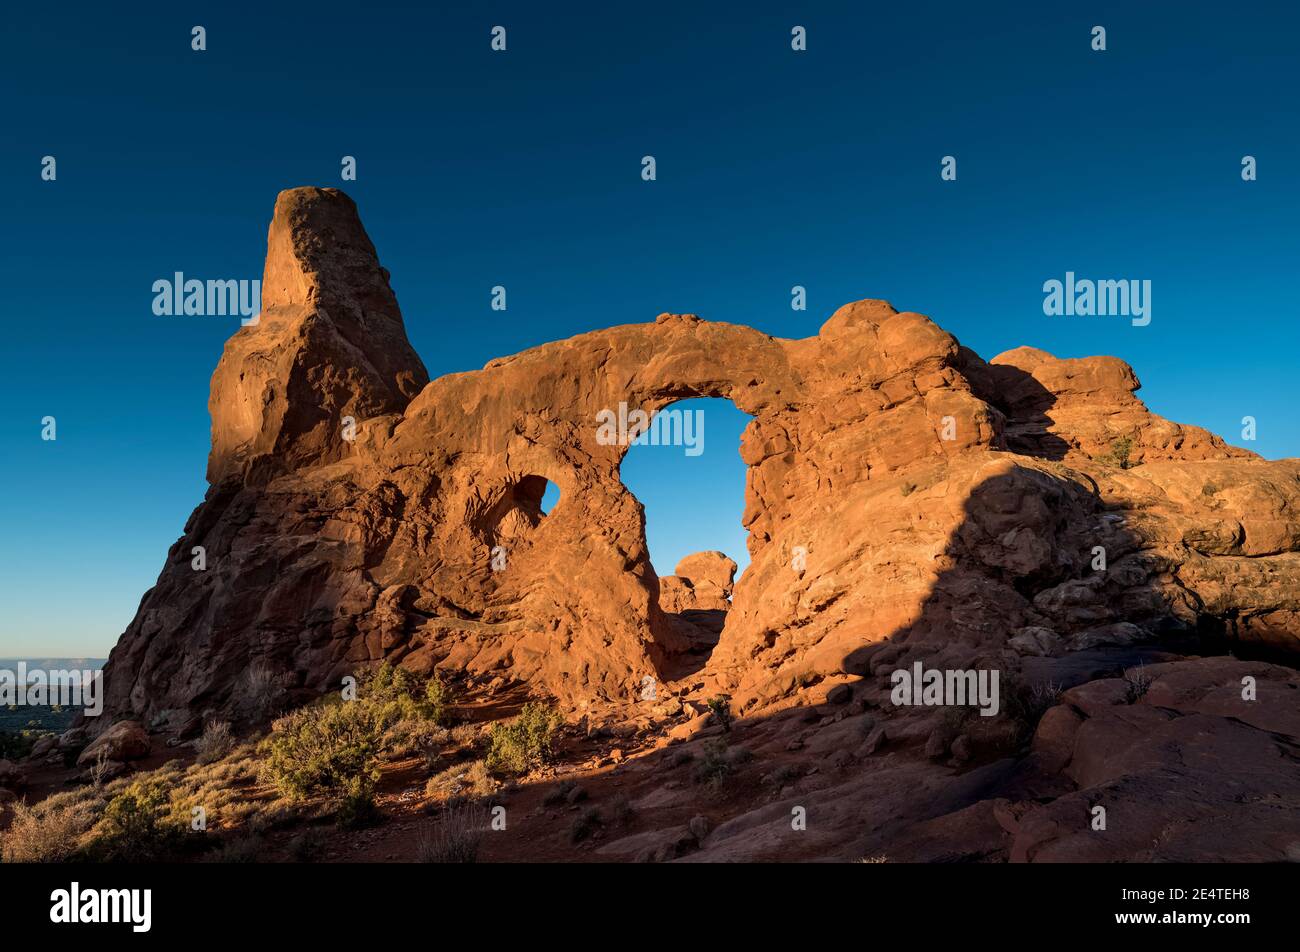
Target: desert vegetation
(525,743)
(317,763)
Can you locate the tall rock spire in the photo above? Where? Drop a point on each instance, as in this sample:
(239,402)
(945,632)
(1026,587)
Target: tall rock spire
(329,344)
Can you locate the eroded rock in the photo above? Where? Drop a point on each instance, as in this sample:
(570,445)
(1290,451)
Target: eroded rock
(901,493)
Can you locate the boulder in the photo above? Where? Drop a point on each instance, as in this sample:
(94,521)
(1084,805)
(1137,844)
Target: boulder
(12,776)
(703,582)
(125,740)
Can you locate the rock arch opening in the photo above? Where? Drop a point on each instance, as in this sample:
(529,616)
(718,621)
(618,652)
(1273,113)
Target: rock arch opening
(523,506)
(688,475)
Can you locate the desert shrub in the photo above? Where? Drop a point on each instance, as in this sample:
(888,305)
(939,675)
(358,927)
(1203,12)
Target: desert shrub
(454,837)
(714,766)
(680,757)
(357,808)
(783,775)
(525,743)
(1139,682)
(953,719)
(215,743)
(100,769)
(240,849)
(1026,703)
(50,832)
(417,738)
(273,815)
(307,846)
(261,690)
(559,794)
(139,826)
(584,824)
(720,706)
(1121,448)
(621,810)
(328,751)
(461,781)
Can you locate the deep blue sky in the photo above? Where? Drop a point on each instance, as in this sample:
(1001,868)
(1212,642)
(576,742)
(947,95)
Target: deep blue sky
(476,168)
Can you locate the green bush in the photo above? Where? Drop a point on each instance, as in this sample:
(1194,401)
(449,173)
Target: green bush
(326,751)
(399,694)
(714,766)
(1121,449)
(139,826)
(357,808)
(721,708)
(331,750)
(436,699)
(15,745)
(525,743)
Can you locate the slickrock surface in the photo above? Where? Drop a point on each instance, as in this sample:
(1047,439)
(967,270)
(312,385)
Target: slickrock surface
(905,499)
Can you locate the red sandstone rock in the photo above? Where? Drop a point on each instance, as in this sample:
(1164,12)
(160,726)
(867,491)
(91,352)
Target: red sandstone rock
(1189,770)
(902,495)
(703,582)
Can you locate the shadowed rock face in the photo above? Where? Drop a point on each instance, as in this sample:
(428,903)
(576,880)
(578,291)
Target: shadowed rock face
(900,491)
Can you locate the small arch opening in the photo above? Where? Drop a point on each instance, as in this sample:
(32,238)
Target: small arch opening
(523,506)
(550,498)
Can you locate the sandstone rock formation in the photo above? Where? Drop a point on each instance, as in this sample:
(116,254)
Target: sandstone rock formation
(904,499)
(328,344)
(701,582)
(1185,767)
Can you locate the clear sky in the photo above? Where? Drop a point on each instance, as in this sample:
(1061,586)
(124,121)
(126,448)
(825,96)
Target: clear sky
(522,168)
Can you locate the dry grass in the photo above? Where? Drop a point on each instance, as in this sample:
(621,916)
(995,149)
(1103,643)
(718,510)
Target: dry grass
(215,743)
(49,832)
(455,836)
(62,826)
(470,780)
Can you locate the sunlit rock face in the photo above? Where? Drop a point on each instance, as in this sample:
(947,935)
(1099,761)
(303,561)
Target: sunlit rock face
(903,496)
